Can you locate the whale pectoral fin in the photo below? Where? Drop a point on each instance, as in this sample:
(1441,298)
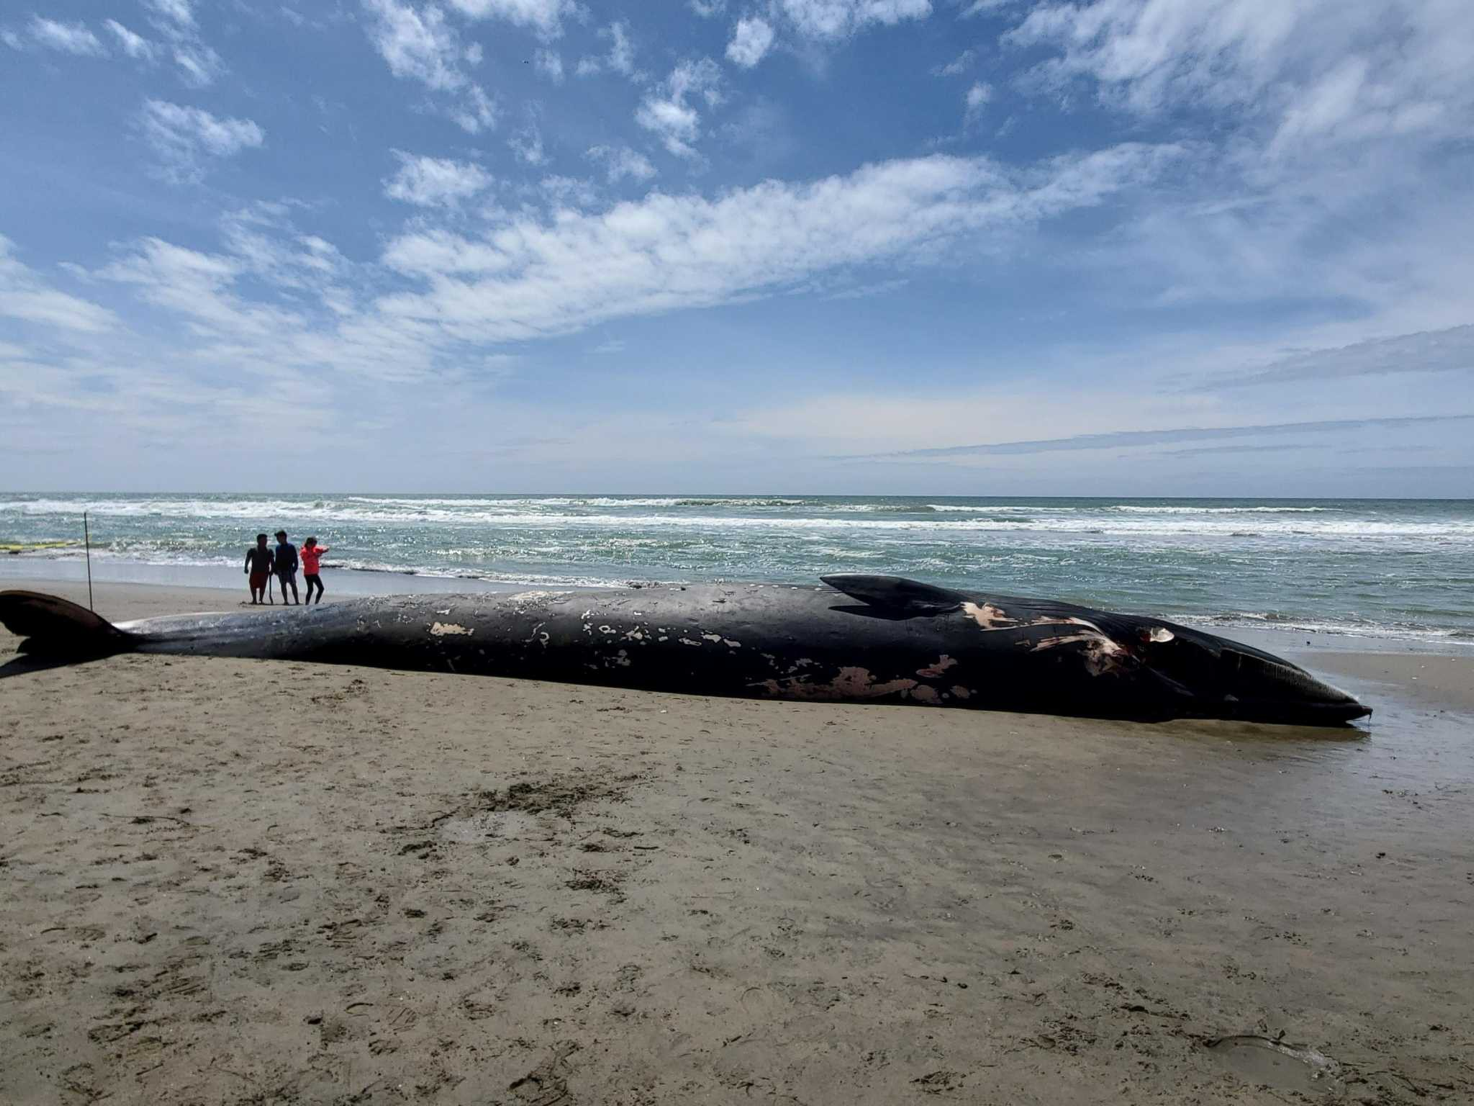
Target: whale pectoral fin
(54,627)
(895,595)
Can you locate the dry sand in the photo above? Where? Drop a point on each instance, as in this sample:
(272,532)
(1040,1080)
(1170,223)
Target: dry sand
(254,882)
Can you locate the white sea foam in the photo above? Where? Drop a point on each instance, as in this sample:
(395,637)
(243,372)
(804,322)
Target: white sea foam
(1365,628)
(1003,509)
(1174,510)
(536,579)
(1304,524)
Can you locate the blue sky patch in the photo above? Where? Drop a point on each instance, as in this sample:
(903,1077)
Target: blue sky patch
(885,246)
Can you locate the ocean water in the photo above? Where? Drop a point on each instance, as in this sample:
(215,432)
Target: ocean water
(1397,569)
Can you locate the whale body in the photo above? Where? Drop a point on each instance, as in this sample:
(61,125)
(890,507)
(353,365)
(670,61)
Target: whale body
(853,638)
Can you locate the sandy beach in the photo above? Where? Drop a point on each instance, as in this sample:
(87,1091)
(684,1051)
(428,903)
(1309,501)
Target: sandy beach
(253,882)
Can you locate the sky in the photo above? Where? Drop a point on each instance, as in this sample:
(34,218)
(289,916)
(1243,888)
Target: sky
(966,247)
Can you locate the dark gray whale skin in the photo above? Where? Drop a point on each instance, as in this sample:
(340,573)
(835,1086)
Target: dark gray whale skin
(875,639)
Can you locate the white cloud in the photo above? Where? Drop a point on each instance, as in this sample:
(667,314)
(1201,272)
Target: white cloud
(476,112)
(550,64)
(708,9)
(957,66)
(976,99)
(422,46)
(263,240)
(263,237)
(134,45)
(545,16)
(1323,116)
(620,162)
(264,345)
(198,64)
(982,7)
(620,58)
(527,144)
(530,278)
(69,38)
(223,327)
(178,12)
(1315,70)
(186,137)
(833,19)
(435,181)
(1438,351)
(665,111)
(25,296)
(751,39)
(198,286)
(419,46)
(438,251)
(829,21)
(1146,439)
(675,123)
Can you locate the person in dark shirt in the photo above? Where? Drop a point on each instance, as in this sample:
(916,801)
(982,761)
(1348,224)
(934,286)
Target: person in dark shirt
(285,561)
(258,568)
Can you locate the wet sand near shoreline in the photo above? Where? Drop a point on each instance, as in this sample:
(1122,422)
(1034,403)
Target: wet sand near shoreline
(1440,682)
(255,882)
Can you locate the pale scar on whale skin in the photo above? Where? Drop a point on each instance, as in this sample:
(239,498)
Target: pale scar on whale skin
(988,616)
(440,629)
(1101,654)
(944,662)
(851,683)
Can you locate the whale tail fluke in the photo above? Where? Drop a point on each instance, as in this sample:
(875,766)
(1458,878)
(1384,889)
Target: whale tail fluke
(58,629)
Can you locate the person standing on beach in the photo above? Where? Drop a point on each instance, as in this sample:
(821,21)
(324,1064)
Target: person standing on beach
(311,562)
(258,568)
(286,566)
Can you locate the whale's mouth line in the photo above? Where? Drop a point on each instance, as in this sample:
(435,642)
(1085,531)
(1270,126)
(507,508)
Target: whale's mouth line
(1312,714)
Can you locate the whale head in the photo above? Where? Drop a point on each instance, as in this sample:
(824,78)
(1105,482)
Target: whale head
(1126,664)
(1233,680)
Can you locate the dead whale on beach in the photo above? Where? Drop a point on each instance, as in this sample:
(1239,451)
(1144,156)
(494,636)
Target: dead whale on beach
(873,639)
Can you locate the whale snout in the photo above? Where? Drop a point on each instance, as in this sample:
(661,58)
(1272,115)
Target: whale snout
(1262,687)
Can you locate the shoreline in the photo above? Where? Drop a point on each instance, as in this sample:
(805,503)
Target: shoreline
(24,571)
(236,881)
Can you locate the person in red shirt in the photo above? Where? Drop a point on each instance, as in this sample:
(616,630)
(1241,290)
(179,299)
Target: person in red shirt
(311,560)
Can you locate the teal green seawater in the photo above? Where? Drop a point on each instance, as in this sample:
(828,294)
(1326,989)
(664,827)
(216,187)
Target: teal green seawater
(1380,568)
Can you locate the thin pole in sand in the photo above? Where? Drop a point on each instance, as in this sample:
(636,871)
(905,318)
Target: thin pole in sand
(87,541)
